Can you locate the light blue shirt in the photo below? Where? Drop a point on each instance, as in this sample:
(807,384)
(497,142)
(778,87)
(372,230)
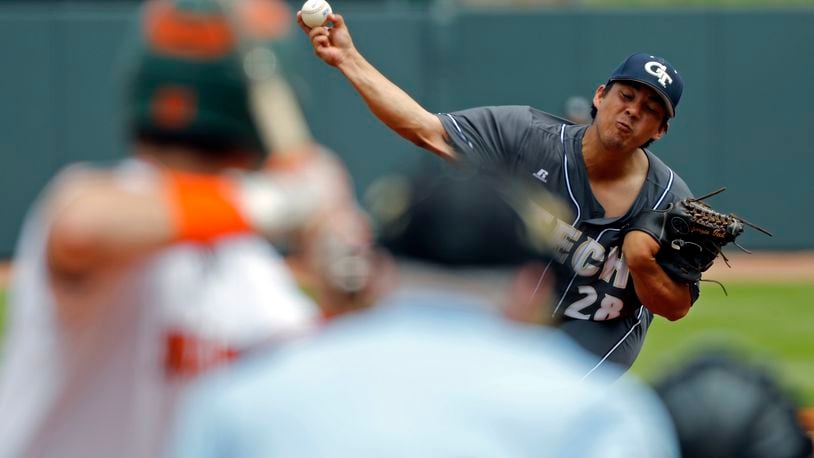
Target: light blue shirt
(423,375)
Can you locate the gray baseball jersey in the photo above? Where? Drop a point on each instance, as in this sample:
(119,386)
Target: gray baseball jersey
(596,284)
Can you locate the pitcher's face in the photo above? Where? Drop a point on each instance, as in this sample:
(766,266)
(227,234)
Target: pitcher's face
(629,115)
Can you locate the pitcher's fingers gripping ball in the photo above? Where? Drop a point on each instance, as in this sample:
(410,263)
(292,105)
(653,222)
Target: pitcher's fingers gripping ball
(330,39)
(314,13)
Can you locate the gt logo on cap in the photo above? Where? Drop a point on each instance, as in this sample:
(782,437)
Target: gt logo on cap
(659,71)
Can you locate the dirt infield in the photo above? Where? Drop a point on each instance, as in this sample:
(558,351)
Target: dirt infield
(773,266)
(770,266)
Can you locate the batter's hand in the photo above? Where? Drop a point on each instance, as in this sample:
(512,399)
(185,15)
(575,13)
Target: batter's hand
(331,44)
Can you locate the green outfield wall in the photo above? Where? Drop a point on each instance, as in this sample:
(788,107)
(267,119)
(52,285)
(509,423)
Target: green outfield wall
(745,120)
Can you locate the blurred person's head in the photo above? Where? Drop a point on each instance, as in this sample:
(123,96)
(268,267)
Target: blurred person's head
(578,110)
(338,255)
(469,234)
(722,405)
(189,75)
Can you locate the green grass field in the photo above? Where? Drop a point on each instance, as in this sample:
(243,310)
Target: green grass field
(773,322)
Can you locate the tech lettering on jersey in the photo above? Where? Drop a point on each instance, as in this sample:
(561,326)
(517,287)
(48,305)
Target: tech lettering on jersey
(597,280)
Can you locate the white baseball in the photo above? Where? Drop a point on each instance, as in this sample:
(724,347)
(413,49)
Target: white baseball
(315,12)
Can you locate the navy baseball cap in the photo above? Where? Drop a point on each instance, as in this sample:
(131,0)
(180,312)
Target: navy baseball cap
(655,72)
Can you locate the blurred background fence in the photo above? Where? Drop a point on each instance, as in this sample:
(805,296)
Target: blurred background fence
(745,120)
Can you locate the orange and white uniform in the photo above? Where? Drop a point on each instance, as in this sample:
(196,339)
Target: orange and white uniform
(105,384)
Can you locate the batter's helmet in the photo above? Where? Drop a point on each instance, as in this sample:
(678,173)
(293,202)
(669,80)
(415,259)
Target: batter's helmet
(190,71)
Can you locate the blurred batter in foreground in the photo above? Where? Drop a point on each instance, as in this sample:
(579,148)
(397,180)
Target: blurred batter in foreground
(130,281)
